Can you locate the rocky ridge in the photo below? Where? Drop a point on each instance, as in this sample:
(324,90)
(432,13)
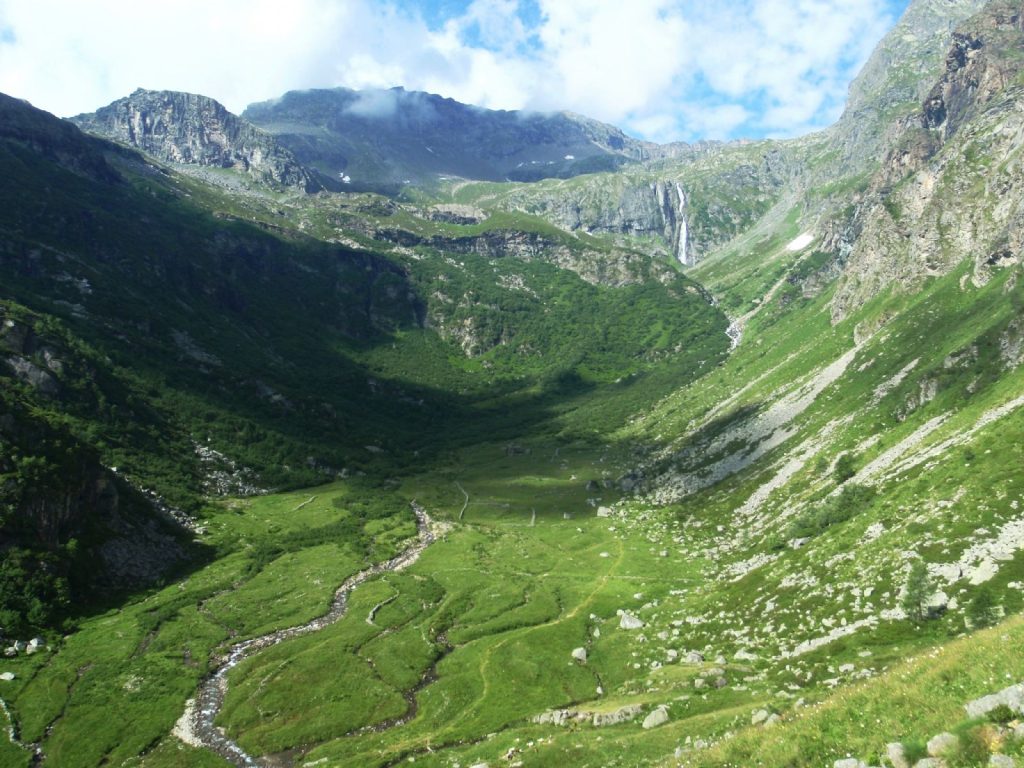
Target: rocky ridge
(944,191)
(191,130)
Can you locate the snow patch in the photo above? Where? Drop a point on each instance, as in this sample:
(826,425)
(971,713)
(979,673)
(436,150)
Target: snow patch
(800,243)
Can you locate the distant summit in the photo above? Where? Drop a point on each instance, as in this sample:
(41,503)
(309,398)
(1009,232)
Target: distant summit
(196,130)
(391,137)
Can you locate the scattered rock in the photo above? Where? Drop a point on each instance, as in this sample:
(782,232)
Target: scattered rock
(8,676)
(849,762)
(1002,761)
(694,657)
(930,762)
(759,716)
(604,511)
(658,717)
(743,655)
(772,720)
(943,744)
(580,654)
(699,683)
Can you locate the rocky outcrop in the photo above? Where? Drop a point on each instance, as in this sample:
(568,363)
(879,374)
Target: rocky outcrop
(192,130)
(706,200)
(941,196)
(900,71)
(616,268)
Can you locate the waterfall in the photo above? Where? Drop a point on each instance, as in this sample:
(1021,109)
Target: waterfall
(684,230)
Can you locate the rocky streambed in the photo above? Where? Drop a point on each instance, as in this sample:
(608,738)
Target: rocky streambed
(197,725)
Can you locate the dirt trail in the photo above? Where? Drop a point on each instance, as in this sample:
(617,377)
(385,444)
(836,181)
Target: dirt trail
(196,726)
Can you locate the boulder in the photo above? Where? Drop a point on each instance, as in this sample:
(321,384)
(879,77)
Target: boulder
(897,755)
(1012,697)
(658,717)
(759,716)
(943,744)
(1002,761)
(720,682)
(604,511)
(580,654)
(629,621)
(6,676)
(849,762)
(694,657)
(621,715)
(937,604)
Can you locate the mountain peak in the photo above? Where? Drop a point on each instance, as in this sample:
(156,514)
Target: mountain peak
(191,129)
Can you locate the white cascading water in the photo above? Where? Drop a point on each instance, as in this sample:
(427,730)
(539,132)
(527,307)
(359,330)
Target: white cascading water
(684,230)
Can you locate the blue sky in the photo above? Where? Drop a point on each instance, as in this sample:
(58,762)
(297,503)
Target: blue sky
(660,69)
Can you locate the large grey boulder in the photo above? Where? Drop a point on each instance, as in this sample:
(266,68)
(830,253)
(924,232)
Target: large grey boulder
(580,655)
(1012,697)
(658,717)
(629,621)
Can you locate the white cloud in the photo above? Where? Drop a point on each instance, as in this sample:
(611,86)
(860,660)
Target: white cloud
(664,68)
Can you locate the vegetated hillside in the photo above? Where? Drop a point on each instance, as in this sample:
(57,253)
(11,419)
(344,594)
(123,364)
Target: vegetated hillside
(201,344)
(384,139)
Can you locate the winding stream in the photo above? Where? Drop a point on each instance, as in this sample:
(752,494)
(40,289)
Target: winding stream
(196,726)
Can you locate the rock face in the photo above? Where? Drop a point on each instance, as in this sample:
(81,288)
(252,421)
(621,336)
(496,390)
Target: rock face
(195,130)
(616,269)
(942,194)
(687,209)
